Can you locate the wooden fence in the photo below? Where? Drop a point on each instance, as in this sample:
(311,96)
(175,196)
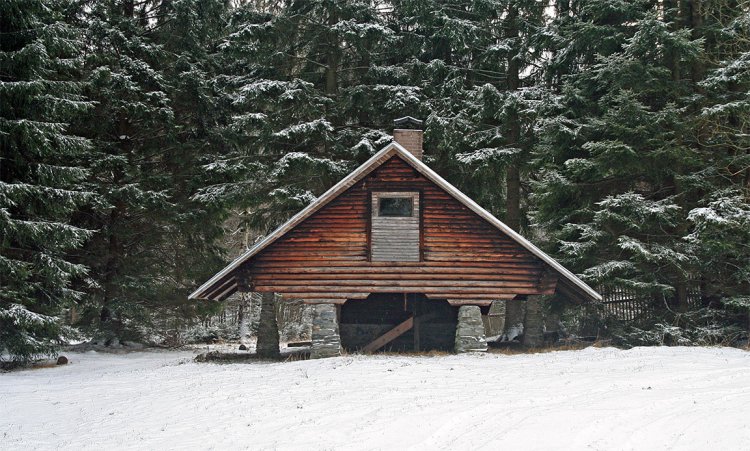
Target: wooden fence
(621,304)
(627,305)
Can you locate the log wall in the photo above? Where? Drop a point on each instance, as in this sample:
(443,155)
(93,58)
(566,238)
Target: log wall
(326,258)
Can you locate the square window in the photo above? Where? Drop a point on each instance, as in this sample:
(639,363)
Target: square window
(396,206)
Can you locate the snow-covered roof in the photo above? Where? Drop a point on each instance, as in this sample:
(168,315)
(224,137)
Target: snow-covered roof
(224,283)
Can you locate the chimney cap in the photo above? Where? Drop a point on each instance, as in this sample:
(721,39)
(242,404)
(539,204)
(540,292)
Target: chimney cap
(408,123)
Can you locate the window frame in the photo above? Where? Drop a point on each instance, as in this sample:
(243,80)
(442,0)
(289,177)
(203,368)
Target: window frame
(410,198)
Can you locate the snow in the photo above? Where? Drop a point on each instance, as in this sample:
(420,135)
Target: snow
(596,398)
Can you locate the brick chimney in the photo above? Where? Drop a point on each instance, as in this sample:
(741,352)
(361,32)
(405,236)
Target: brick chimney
(409,134)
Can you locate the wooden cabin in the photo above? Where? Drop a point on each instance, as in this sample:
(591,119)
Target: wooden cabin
(394,254)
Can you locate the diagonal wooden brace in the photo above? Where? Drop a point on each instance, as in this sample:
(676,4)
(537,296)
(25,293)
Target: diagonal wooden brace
(389,336)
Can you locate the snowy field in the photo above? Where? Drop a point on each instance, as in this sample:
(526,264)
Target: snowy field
(593,399)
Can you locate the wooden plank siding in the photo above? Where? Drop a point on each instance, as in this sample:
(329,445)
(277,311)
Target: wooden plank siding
(326,258)
(395,238)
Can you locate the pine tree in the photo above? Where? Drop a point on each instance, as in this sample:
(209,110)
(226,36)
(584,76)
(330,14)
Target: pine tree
(473,63)
(150,70)
(41,170)
(719,236)
(635,192)
(610,148)
(309,101)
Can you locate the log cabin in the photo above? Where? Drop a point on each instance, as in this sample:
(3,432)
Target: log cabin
(395,255)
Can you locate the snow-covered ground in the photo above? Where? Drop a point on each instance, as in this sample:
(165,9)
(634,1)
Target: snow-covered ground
(601,399)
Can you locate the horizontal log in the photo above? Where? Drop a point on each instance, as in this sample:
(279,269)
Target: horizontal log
(331,228)
(490,291)
(336,301)
(392,182)
(321,218)
(530,277)
(348,247)
(480,303)
(471,236)
(312,250)
(449,225)
(426,266)
(490,297)
(450,247)
(481,253)
(459,226)
(447,209)
(468,259)
(311,283)
(310,259)
(337,275)
(344,237)
(473,257)
(319,296)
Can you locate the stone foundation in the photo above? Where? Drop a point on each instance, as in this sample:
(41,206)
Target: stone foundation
(470,330)
(325,332)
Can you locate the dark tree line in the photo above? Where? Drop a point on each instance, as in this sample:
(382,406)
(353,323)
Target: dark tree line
(616,133)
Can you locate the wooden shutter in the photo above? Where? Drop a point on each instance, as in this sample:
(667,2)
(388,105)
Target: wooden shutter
(394,238)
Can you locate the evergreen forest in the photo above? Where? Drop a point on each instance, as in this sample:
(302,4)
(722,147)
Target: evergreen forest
(145,143)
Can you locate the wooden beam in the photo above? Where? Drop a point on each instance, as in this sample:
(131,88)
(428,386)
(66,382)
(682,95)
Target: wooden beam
(336,301)
(335,291)
(389,266)
(480,303)
(423,277)
(389,336)
(412,282)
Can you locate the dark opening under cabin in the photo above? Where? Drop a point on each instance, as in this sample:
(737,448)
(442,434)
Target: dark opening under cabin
(395,255)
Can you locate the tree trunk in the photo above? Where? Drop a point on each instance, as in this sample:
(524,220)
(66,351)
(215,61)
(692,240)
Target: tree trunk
(513,326)
(268,328)
(672,58)
(681,296)
(696,25)
(242,316)
(512,176)
(513,197)
(533,327)
(332,59)
(513,309)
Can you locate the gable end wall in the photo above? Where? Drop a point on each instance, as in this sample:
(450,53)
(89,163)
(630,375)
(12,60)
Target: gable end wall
(326,257)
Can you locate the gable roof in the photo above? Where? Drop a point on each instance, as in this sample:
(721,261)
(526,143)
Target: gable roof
(224,283)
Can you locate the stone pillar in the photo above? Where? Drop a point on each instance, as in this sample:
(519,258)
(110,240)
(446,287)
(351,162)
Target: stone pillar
(326,341)
(268,329)
(470,330)
(533,324)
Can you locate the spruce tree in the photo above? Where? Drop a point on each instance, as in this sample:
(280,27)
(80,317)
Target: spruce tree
(636,191)
(150,72)
(719,235)
(41,170)
(473,63)
(309,101)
